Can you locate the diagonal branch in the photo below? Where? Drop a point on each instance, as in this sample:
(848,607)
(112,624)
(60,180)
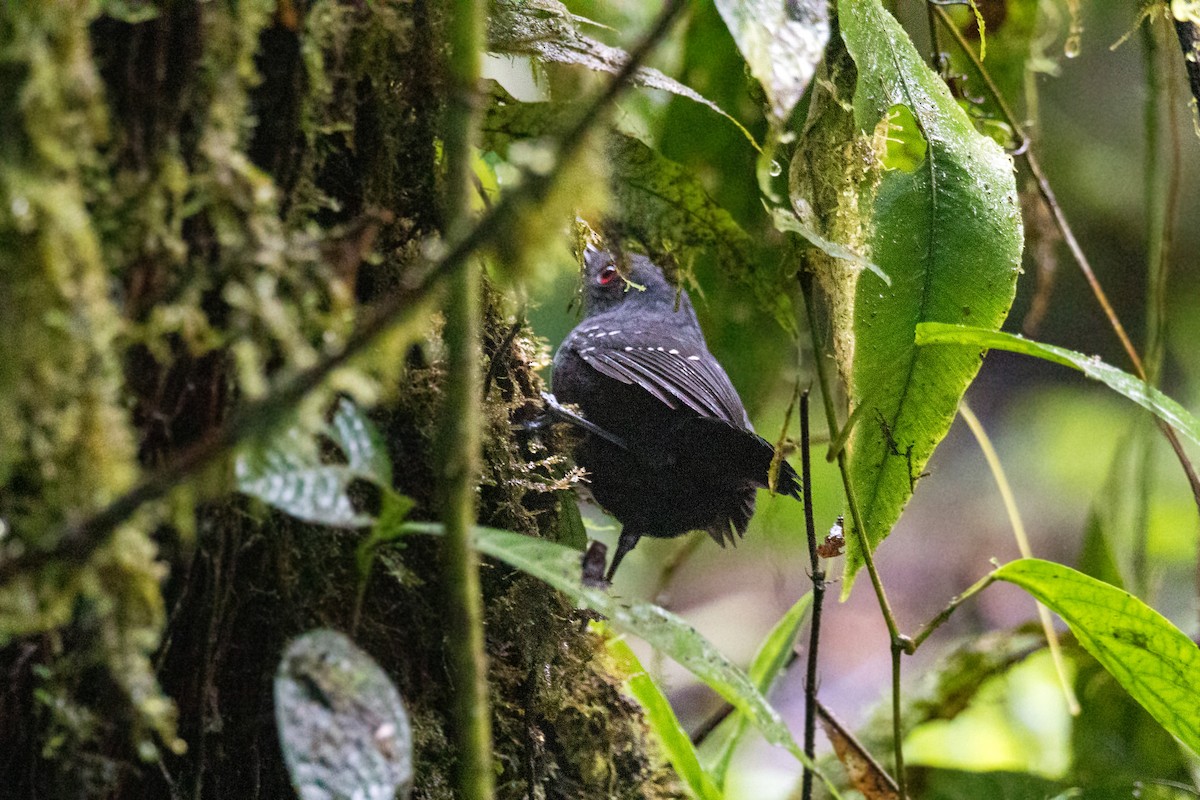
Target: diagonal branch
(78,541)
(1025,151)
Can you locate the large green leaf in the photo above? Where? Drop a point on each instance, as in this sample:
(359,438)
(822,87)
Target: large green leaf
(1129,386)
(1152,659)
(663,722)
(945,226)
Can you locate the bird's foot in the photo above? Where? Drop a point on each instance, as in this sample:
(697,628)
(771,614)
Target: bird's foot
(593,562)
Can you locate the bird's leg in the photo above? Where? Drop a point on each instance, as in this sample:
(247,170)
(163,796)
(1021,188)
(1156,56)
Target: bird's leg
(627,542)
(561,413)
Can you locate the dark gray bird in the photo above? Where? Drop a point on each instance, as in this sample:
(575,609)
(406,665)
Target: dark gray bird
(667,444)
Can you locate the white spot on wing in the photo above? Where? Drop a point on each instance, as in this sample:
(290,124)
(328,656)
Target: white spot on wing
(673,351)
(628,349)
(693,358)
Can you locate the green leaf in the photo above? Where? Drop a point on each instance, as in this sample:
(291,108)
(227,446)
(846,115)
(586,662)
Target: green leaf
(342,725)
(769,662)
(1096,556)
(547,29)
(945,226)
(360,441)
(132,12)
(394,509)
(800,222)
(1129,386)
(559,566)
(782,44)
(662,721)
(1152,659)
(570,530)
(290,474)
(1111,722)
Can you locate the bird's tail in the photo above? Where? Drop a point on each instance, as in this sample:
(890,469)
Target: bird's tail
(787,481)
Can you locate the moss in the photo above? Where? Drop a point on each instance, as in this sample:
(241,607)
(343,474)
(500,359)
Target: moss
(173,180)
(68,447)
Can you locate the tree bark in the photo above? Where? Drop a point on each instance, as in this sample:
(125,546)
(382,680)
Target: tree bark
(189,193)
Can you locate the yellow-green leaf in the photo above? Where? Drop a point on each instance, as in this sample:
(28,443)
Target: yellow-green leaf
(1152,659)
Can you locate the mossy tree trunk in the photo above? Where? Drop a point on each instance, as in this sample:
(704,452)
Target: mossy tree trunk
(197,198)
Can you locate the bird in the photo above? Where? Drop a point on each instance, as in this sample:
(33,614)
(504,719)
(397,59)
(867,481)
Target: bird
(666,442)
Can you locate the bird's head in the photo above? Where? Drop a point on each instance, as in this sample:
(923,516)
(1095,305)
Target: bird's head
(611,280)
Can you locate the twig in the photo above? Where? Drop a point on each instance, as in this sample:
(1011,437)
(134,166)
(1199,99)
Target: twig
(826,384)
(721,714)
(899,643)
(500,355)
(1025,151)
(1018,527)
(78,541)
(935,623)
(818,582)
(899,646)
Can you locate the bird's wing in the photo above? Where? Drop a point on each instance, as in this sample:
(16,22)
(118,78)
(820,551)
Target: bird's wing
(722,444)
(676,373)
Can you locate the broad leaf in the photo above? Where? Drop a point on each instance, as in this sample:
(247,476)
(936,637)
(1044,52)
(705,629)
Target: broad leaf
(290,474)
(342,725)
(1129,386)
(360,441)
(547,30)
(1152,659)
(663,723)
(937,212)
(782,44)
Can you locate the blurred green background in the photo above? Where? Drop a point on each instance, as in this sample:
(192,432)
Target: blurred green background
(1061,439)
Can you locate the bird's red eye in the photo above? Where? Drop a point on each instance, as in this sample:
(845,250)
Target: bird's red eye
(606,275)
